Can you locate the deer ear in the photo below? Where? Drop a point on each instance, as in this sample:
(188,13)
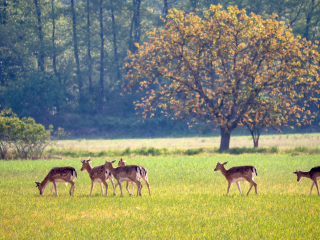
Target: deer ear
(225,163)
(83,161)
(113,161)
(89,160)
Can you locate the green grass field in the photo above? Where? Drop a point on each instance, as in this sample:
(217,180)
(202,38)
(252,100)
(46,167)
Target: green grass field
(279,140)
(188,201)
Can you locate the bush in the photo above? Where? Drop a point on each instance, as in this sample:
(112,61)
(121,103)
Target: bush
(193,151)
(25,136)
(242,150)
(274,149)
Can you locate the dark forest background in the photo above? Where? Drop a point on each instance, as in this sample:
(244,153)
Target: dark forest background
(61,61)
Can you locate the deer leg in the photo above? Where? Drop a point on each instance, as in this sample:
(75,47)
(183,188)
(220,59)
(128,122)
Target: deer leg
(316,182)
(229,185)
(111,180)
(311,187)
(52,188)
(92,184)
(239,187)
(55,187)
(101,189)
(127,187)
(119,182)
(132,185)
(146,181)
(106,184)
(139,187)
(252,183)
(114,190)
(255,187)
(72,187)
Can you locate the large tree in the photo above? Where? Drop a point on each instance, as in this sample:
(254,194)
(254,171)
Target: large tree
(214,68)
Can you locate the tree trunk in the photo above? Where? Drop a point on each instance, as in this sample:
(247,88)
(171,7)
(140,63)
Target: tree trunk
(135,26)
(101,90)
(256,137)
(1,78)
(165,7)
(308,20)
(41,56)
(130,33)
(89,49)
(3,15)
(54,57)
(76,53)
(225,139)
(115,41)
(193,5)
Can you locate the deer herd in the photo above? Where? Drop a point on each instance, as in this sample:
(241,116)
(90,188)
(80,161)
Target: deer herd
(134,174)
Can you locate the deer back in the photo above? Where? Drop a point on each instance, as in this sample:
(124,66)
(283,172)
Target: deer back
(315,172)
(242,171)
(98,172)
(62,173)
(130,172)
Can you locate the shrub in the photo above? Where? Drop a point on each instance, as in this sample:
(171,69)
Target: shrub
(25,136)
(301,149)
(193,151)
(274,149)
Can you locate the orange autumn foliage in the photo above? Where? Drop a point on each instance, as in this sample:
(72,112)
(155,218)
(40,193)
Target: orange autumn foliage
(216,68)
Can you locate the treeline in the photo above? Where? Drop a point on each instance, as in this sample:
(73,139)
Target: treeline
(62,61)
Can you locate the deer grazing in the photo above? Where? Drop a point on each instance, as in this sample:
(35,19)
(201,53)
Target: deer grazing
(313,174)
(126,173)
(144,176)
(237,174)
(97,174)
(58,174)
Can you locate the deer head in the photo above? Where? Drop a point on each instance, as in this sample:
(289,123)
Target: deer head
(220,166)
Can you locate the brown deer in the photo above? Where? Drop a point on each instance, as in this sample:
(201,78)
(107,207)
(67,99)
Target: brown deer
(144,176)
(126,173)
(58,174)
(313,174)
(97,174)
(237,174)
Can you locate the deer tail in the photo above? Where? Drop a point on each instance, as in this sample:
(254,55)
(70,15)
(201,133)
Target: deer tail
(255,171)
(74,172)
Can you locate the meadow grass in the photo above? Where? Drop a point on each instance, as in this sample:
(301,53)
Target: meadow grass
(283,141)
(81,148)
(188,201)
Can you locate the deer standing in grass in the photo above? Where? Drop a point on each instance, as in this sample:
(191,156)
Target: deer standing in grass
(126,173)
(237,174)
(313,174)
(97,174)
(58,174)
(144,176)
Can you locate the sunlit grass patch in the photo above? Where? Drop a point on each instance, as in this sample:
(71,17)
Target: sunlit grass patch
(289,144)
(188,201)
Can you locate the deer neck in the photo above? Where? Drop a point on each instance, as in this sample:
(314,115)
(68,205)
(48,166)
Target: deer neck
(44,184)
(111,169)
(224,171)
(88,169)
(305,174)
